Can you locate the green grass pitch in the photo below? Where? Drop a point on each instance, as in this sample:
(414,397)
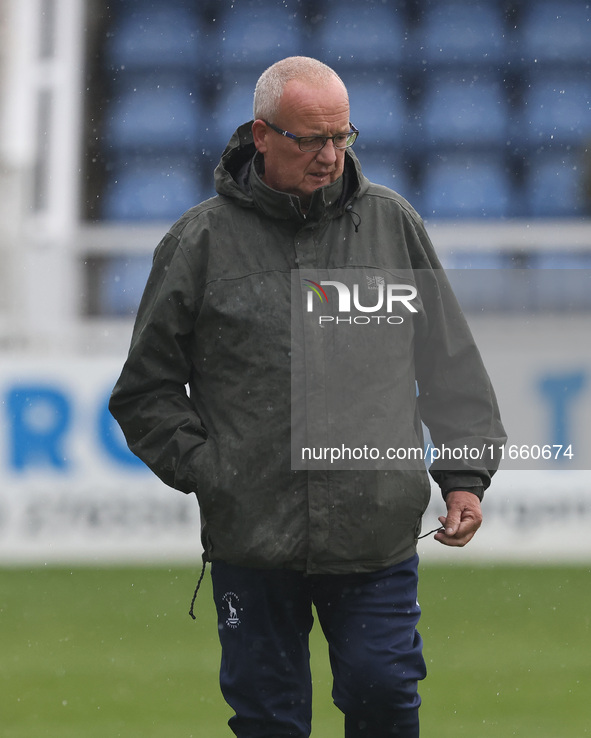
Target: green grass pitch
(112,652)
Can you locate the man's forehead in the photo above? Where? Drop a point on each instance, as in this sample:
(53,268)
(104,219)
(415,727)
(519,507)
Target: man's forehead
(325,99)
(314,89)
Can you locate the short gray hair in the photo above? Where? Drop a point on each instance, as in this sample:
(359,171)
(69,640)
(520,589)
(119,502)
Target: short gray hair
(271,83)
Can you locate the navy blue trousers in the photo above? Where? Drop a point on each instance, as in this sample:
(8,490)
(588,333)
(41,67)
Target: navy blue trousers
(375,651)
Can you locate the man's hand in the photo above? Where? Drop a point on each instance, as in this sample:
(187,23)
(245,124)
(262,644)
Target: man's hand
(464,517)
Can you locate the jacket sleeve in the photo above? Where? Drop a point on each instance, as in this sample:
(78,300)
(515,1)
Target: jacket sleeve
(150,401)
(456,399)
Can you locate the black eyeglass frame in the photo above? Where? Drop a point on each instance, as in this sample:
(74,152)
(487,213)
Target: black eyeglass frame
(298,139)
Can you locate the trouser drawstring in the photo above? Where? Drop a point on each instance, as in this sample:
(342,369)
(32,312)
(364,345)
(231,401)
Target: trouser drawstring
(191,612)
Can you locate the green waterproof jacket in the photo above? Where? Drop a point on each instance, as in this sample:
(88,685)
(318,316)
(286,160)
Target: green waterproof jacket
(240,325)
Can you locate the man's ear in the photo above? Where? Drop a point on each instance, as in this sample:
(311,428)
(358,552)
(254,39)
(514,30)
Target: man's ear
(259,134)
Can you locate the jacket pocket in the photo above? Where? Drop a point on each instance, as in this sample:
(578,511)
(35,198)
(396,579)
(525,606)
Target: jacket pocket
(201,472)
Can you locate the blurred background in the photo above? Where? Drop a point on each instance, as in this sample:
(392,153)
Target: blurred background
(113,117)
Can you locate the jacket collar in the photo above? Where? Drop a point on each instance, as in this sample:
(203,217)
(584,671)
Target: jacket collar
(324,202)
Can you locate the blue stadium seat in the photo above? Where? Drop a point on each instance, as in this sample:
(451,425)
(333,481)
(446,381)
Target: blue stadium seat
(556,110)
(354,36)
(462,112)
(257,35)
(378,110)
(122,282)
(163,37)
(382,167)
(555,32)
(461,186)
(553,186)
(160,116)
(232,107)
(151,191)
(461,33)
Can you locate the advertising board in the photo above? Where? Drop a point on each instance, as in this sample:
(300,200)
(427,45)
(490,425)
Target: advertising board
(70,490)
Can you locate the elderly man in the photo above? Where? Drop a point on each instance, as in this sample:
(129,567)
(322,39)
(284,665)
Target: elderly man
(216,317)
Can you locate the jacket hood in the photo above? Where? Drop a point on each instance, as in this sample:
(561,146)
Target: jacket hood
(237,176)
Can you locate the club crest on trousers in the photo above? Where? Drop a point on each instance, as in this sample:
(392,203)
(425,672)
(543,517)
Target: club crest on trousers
(232,601)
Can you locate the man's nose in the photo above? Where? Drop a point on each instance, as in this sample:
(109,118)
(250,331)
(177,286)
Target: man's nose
(328,153)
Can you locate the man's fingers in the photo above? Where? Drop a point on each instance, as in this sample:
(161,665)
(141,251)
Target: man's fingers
(463,519)
(451,523)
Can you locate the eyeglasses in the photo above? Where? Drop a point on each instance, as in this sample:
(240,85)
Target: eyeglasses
(316,143)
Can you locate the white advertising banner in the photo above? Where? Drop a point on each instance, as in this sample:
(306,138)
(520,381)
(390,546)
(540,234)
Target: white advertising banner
(538,507)
(70,491)
(70,488)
